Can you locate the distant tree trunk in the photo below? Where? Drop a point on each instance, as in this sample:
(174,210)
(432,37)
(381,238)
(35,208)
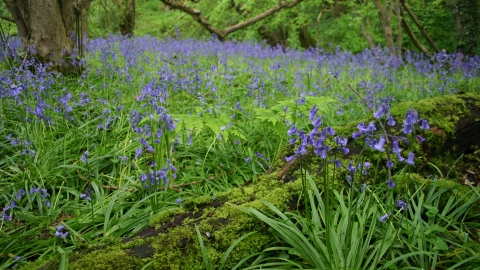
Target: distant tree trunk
(48,25)
(399,34)
(127,25)
(306,39)
(385,19)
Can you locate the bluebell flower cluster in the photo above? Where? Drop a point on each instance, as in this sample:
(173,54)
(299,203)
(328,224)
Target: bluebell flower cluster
(60,231)
(317,138)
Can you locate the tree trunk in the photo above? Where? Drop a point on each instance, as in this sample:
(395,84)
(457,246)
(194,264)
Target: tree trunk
(47,26)
(127,25)
(385,19)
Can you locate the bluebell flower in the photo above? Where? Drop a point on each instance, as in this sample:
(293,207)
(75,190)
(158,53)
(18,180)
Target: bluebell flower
(44,193)
(290,158)
(399,157)
(379,146)
(351,168)
(301,150)
(390,121)
(338,164)
(179,201)
(424,125)
(329,130)
(401,204)
(363,187)
(60,231)
(410,159)
(396,149)
(313,112)
(83,158)
(390,183)
(390,164)
(138,152)
(420,138)
(247,159)
(292,130)
(384,217)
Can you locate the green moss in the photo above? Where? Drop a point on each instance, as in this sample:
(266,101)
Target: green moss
(111,258)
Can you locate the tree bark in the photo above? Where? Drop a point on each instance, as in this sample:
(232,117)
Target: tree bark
(47,26)
(385,19)
(223,33)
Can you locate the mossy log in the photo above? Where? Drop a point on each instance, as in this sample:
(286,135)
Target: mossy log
(171,242)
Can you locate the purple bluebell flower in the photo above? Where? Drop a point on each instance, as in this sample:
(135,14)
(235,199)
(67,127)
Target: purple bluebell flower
(247,159)
(219,136)
(329,130)
(179,201)
(390,164)
(317,123)
(44,193)
(341,141)
(371,127)
(338,164)
(301,150)
(383,110)
(236,142)
(60,231)
(292,131)
(399,157)
(83,158)
(379,146)
(401,204)
(390,121)
(138,152)
(396,149)
(410,159)
(351,168)
(384,217)
(390,183)
(425,125)
(420,138)
(363,187)
(47,203)
(313,112)
(290,158)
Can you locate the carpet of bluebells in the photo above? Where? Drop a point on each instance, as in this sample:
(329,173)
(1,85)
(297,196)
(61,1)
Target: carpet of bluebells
(150,123)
